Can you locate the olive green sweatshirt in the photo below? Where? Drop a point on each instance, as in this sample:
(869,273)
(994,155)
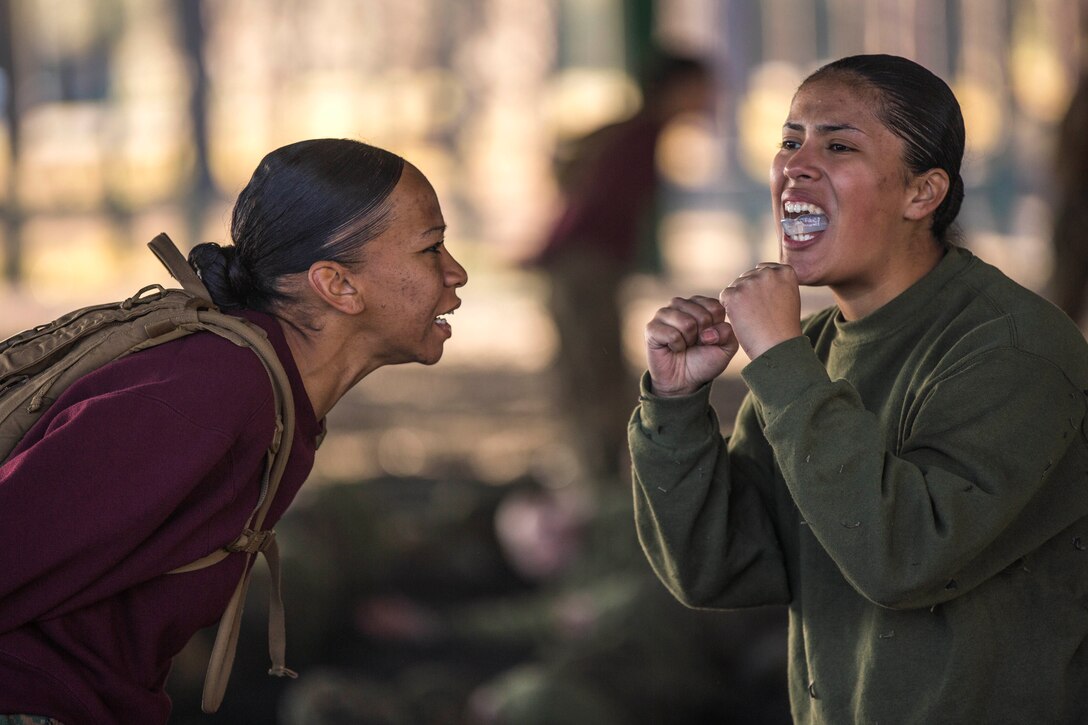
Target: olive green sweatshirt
(914,486)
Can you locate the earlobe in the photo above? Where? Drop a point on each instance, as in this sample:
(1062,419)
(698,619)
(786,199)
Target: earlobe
(334,284)
(928,190)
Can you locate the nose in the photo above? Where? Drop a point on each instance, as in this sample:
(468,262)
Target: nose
(455,274)
(801,164)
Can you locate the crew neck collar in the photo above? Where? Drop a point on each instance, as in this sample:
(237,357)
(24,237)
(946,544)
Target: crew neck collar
(907,307)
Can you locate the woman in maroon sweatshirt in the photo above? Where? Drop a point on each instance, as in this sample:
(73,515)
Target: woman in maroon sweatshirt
(155,460)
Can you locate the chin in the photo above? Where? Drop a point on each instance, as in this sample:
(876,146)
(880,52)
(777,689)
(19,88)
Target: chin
(807,276)
(415,357)
(430,357)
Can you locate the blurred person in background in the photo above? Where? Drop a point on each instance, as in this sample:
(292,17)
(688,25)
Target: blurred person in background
(155,459)
(604,232)
(907,473)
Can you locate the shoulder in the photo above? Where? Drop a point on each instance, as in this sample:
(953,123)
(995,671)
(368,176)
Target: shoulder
(201,376)
(993,312)
(1024,318)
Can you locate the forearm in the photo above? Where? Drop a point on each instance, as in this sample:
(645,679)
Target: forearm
(709,541)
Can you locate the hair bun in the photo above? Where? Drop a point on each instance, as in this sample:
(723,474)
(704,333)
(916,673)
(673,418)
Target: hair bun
(221,271)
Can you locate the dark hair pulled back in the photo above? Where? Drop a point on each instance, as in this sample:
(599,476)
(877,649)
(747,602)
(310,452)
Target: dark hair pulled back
(921,109)
(314,200)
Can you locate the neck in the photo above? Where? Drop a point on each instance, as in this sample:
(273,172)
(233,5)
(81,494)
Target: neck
(325,371)
(858,301)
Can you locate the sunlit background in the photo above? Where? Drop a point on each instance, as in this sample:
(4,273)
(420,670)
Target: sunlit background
(125,118)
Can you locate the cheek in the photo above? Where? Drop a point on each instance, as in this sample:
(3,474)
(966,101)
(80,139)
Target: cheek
(889,201)
(405,289)
(869,198)
(417,295)
(776,176)
(777,184)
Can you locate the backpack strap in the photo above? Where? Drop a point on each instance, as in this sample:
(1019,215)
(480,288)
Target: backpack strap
(179,268)
(253,539)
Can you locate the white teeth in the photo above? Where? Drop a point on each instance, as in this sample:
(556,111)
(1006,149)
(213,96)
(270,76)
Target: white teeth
(802,207)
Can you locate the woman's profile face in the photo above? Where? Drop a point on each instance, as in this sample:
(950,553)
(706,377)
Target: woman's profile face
(837,158)
(410,279)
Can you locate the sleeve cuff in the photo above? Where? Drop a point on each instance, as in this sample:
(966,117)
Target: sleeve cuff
(674,420)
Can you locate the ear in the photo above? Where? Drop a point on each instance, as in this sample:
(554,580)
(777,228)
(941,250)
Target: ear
(335,284)
(925,193)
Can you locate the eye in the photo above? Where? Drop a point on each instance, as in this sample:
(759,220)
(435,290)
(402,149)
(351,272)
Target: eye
(435,248)
(839,148)
(789,144)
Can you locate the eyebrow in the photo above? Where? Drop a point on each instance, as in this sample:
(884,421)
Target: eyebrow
(824,127)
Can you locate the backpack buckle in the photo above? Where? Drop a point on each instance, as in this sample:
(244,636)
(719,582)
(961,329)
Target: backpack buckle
(251,542)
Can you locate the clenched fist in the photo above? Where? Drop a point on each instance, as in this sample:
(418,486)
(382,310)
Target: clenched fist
(764,307)
(690,342)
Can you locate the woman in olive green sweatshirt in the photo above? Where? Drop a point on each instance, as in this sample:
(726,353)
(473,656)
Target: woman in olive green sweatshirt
(909,472)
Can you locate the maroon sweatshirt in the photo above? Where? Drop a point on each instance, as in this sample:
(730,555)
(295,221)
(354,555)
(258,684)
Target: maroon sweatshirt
(145,465)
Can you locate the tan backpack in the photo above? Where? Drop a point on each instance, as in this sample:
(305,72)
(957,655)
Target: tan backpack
(37,365)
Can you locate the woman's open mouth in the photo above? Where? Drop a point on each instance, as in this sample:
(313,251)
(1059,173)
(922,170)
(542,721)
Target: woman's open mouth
(803,220)
(442,323)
